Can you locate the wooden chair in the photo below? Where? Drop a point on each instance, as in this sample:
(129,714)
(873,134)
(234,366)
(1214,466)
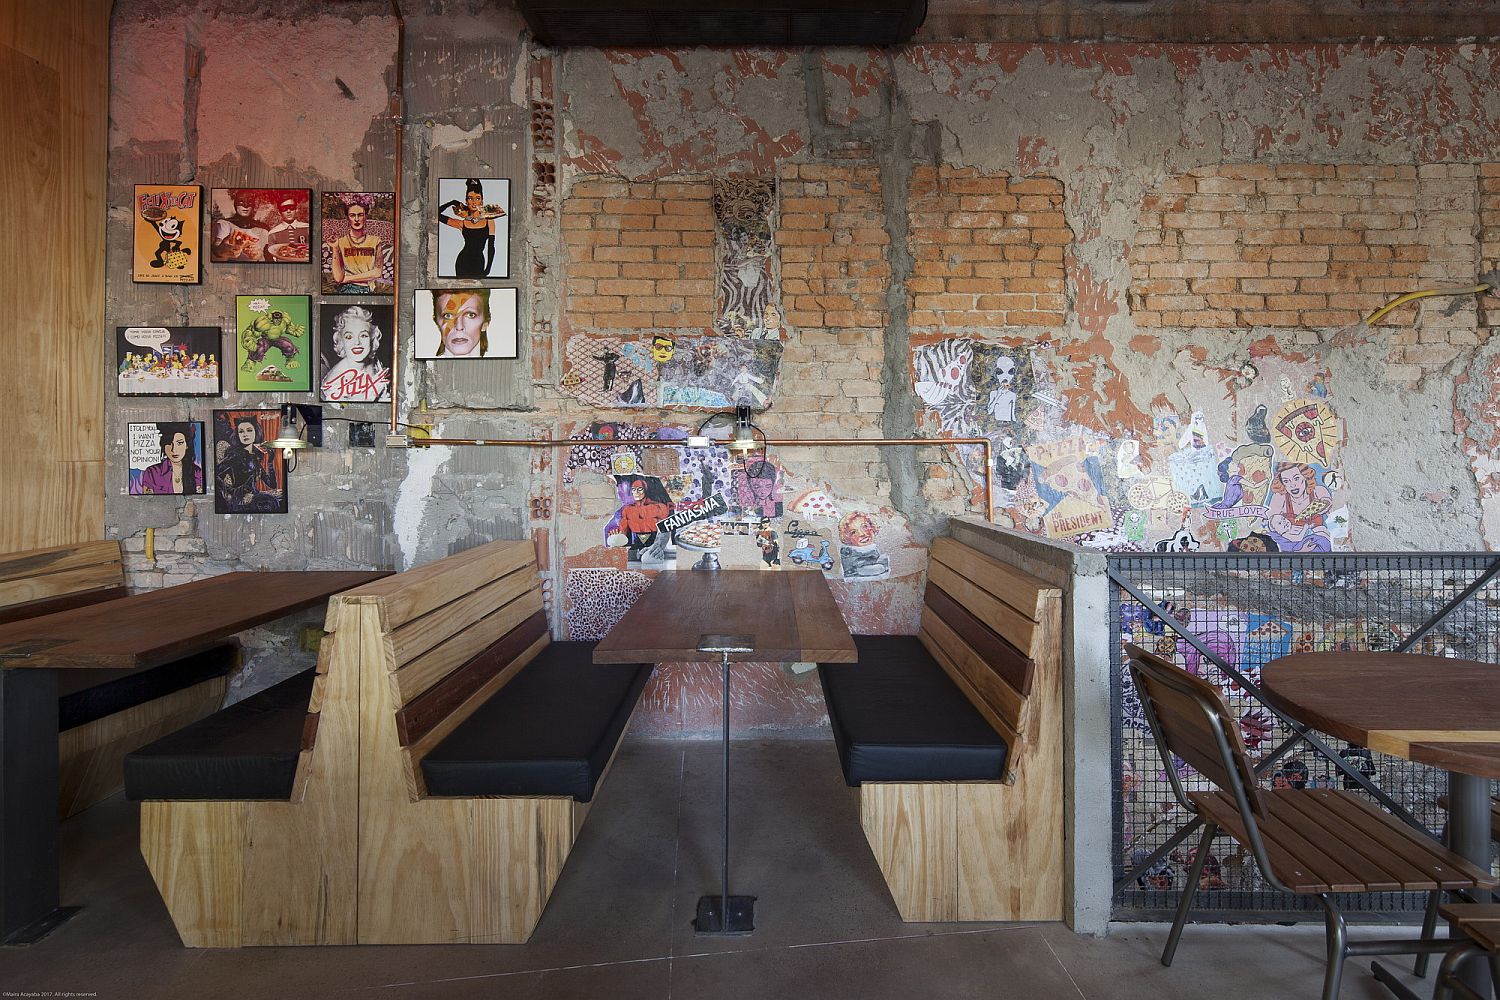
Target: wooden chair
(1315,841)
(1480,925)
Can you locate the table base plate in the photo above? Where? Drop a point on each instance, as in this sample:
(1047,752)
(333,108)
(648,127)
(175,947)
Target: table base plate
(741,915)
(40,927)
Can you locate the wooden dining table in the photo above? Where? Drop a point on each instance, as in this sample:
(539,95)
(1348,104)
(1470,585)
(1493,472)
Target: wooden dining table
(729,616)
(139,631)
(1432,710)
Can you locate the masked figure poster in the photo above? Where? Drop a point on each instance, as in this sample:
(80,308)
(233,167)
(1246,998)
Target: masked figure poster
(260,225)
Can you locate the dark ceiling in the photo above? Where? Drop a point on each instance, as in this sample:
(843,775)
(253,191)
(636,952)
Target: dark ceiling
(653,23)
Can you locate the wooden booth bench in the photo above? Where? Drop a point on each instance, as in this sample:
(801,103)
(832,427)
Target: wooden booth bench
(104,714)
(953,738)
(425,785)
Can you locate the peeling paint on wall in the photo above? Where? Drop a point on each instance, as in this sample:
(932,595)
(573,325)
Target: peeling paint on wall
(949,239)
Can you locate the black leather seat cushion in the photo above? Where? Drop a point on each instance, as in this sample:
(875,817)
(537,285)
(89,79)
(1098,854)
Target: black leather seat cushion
(549,731)
(87,695)
(246,751)
(897,717)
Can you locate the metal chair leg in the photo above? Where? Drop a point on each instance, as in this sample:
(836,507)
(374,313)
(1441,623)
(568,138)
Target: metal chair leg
(1447,974)
(1338,947)
(1429,931)
(1186,902)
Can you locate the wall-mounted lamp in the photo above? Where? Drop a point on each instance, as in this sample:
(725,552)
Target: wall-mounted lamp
(293,438)
(742,439)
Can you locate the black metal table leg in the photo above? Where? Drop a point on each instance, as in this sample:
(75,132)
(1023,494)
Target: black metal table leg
(29,907)
(725,914)
(1469,830)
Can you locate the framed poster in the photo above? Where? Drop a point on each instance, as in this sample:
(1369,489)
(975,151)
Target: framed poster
(249,476)
(358,243)
(473,238)
(272,346)
(168,360)
(168,221)
(260,225)
(465,323)
(166,458)
(354,345)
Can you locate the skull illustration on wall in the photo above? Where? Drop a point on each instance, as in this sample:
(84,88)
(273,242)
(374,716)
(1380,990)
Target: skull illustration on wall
(1002,403)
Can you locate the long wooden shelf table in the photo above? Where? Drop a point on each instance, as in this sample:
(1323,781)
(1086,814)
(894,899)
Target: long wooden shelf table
(730,616)
(143,630)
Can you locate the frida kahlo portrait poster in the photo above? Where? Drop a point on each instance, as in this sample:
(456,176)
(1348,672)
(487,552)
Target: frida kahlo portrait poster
(168,220)
(249,475)
(359,230)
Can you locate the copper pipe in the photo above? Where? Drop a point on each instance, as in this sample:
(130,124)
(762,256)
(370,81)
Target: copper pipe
(398,111)
(989,494)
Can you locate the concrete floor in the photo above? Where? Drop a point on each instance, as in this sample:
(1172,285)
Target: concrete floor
(618,925)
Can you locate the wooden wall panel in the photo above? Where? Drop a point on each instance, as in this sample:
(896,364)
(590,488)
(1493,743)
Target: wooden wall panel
(54,71)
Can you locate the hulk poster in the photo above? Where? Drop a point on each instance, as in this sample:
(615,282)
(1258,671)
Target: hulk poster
(271,345)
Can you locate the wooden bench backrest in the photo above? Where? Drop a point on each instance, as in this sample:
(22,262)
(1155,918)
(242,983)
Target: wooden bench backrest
(42,581)
(451,633)
(992,628)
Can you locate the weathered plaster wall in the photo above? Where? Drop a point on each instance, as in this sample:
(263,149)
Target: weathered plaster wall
(970,208)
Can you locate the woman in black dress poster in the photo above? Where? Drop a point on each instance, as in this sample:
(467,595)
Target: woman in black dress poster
(476,223)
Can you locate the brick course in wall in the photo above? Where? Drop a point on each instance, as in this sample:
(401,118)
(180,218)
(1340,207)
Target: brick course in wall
(988,250)
(639,255)
(1310,245)
(832,239)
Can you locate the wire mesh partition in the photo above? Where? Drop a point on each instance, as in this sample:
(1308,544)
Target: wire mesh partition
(1223,617)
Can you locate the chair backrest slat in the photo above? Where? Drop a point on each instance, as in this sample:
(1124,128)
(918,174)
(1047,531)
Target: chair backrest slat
(1191,715)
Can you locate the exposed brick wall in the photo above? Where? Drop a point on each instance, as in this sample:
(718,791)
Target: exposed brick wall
(1309,245)
(639,255)
(987,248)
(1489,234)
(832,241)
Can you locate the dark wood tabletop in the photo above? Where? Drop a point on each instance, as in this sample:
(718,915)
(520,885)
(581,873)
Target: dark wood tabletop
(1429,709)
(791,614)
(158,626)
